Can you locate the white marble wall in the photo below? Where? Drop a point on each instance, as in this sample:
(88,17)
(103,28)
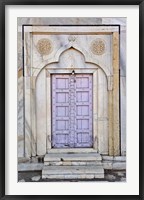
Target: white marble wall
(74,21)
(20,123)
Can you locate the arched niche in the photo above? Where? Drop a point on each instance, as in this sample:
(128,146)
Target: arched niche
(70,59)
(86,60)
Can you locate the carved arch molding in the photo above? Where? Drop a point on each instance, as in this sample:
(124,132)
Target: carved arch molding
(50,50)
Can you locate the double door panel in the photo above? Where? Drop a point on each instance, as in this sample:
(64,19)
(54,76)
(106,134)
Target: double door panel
(71,110)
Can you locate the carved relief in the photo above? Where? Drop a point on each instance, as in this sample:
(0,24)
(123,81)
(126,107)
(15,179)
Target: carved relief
(71,38)
(44,46)
(98,46)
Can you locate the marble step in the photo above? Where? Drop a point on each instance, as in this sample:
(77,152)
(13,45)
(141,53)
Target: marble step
(72,150)
(73,157)
(73,163)
(72,172)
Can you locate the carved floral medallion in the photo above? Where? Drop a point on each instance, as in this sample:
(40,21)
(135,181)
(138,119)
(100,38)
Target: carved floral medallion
(44,46)
(98,46)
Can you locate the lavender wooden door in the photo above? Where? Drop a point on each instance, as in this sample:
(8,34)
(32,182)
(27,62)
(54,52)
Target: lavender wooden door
(71,111)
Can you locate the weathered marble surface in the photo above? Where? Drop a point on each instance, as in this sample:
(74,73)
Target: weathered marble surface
(123,114)
(20,124)
(41,113)
(83,21)
(59,21)
(102,98)
(30,166)
(122,22)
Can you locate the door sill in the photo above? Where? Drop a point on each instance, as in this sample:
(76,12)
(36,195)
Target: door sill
(72,150)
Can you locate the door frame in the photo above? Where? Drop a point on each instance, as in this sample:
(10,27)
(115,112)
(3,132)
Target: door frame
(49,72)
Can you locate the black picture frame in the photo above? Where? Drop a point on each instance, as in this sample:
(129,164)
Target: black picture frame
(3,3)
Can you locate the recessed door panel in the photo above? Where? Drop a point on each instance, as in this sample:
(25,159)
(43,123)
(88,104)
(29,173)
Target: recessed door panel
(71,111)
